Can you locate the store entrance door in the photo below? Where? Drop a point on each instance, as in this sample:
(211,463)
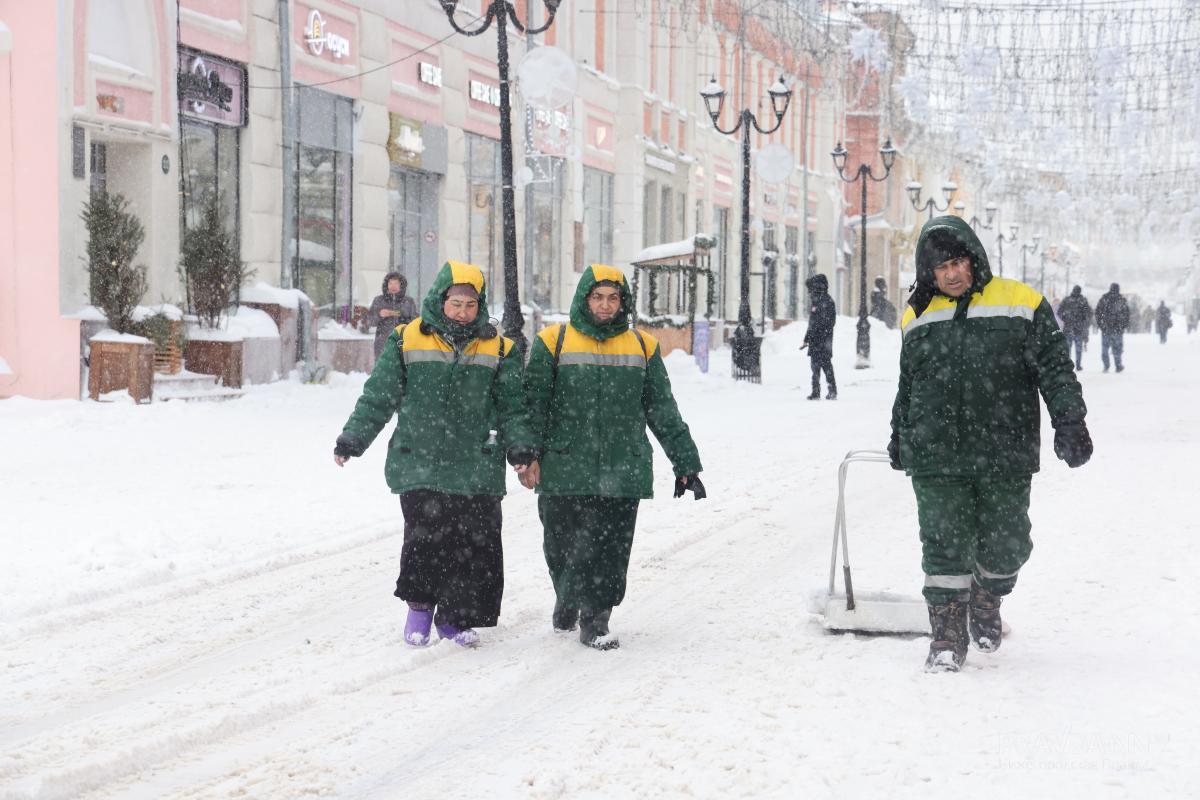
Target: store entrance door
(413,202)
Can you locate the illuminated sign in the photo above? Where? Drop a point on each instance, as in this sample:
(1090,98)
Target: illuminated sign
(485,93)
(430,74)
(319,38)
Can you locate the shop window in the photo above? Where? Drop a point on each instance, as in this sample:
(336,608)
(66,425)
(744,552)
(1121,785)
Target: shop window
(208,159)
(543,230)
(598,216)
(485,240)
(413,210)
(321,260)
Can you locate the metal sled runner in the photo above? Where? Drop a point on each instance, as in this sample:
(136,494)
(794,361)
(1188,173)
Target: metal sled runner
(878,612)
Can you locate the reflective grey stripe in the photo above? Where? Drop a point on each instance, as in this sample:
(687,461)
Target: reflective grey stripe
(415,356)
(948,581)
(603,359)
(447,357)
(1024,312)
(995,576)
(941,315)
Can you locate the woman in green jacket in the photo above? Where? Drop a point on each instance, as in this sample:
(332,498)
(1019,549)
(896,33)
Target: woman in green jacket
(592,388)
(455,387)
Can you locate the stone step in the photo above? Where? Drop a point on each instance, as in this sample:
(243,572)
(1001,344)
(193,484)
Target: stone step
(192,386)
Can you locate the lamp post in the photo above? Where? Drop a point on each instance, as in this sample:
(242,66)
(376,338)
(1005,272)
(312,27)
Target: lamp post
(1000,240)
(1028,250)
(747,357)
(975,222)
(501,12)
(930,205)
(887,154)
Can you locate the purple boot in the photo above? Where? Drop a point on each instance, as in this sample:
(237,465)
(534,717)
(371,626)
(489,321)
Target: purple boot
(463,637)
(416,628)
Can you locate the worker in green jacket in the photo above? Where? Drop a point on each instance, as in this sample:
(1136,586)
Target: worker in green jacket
(455,388)
(977,350)
(592,388)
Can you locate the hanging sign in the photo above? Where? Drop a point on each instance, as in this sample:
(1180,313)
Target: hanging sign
(211,88)
(319,38)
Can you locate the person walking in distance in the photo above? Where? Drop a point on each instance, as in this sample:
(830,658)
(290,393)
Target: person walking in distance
(818,339)
(1112,318)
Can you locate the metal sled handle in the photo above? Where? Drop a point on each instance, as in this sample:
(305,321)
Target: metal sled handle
(839,521)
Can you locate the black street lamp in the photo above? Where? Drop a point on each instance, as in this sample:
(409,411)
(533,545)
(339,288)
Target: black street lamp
(1000,240)
(1028,250)
(930,205)
(501,12)
(975,222)
(747,356)
(888,154)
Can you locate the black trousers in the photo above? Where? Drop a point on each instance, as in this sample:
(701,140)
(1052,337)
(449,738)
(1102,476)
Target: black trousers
(587,541)
(822,361)
(452,556)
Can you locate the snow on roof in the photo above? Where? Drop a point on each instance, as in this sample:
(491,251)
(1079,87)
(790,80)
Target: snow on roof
(109,335)
(267,294)
(875,222)
(683,249)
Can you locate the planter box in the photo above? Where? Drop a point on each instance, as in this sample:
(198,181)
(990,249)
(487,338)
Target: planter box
(214,357)
(670,339)
(347,355)
(287,320)
(260,359)
(121,365)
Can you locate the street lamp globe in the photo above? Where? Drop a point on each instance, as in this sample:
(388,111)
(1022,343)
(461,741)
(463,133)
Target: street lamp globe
(714,98)
(960,207)
(948,189)
(781,96)
(990,210)
(839,157)
(888,154)
(914,191)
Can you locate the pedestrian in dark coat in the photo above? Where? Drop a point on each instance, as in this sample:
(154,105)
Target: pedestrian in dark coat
(1076,316)
(390,309)
(1112,318)
(1163,321)
(818,339)
(453,385)
(593,387)
(977,351)
(882,308)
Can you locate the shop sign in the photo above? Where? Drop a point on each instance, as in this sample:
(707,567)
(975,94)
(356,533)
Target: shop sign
(211,88)
(112,103)
(557,119)
(430,74)
(485,93)
(319,38)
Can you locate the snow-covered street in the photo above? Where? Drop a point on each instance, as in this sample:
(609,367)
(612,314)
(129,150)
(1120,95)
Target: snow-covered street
(198,603)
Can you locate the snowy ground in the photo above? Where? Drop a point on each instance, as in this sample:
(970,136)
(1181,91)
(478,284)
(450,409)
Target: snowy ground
(197,603)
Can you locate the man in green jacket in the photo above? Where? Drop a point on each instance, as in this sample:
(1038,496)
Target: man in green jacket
(592,388)
(977,351)
(455,387)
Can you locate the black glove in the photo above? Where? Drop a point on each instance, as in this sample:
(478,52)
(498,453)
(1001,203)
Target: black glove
(520,455)
(1072,443)
(348,446)
(893,450)
(690,482)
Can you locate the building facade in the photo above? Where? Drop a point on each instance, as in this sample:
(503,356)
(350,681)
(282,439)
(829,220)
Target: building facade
(395,154)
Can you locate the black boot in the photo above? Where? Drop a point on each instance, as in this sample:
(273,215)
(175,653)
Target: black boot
(948,623)
(832,393)
(593,630)
(564,618)
(816,392)
(985,619)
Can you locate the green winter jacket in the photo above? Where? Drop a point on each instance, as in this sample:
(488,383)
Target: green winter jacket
(591,422)
(457,393)
(971,368)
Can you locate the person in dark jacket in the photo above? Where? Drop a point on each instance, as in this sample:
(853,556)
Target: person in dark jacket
(454,387)
(592,388)
(1162,321)
(976,352)
(1112,318)
(1076,315)
(818,339)
(882,308)
(390,309)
